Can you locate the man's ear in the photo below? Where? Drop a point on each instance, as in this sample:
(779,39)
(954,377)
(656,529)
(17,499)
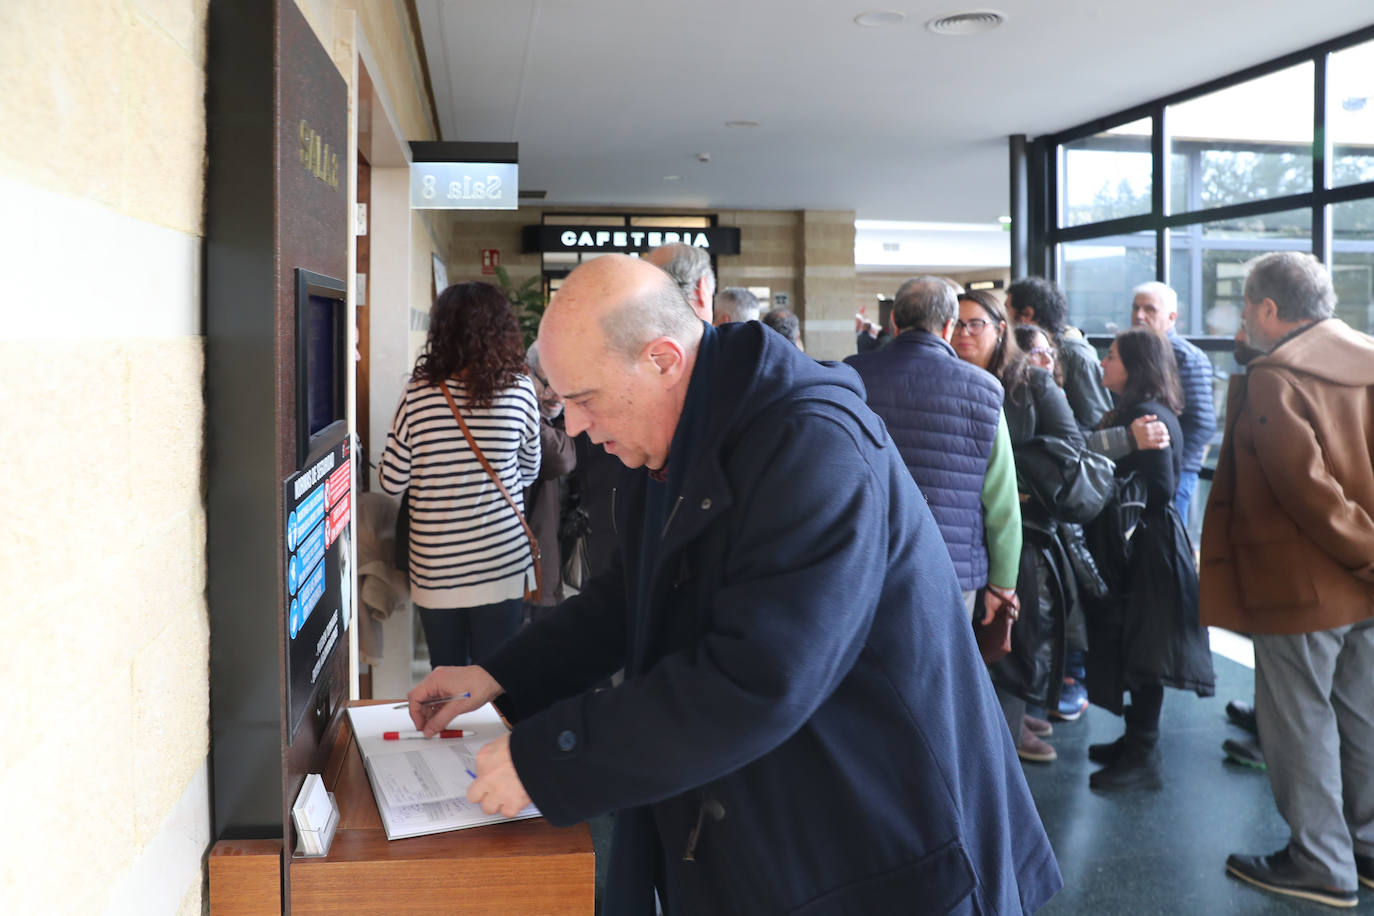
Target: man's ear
(947,332)
(667,357)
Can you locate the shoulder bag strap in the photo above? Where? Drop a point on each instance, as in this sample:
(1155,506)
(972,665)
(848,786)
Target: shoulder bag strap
(472,444)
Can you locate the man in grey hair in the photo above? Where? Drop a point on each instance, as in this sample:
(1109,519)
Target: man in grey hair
(1288,557)
(779,582)
(690,268)
(735,303)
(785,322)
(1155,306)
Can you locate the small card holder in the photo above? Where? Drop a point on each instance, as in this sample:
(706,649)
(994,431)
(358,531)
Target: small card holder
(316,815)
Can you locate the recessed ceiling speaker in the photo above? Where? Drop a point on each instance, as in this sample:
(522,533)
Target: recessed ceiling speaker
(970,23)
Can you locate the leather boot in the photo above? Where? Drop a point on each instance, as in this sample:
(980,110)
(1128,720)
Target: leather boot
(1137,766)
(1107,753)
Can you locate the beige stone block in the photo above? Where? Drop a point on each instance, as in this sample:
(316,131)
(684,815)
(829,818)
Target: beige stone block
(67,489)
(164,575)
(163,162)
(79,792)
(182,20)
(63,106)
(167,429)
(171,711)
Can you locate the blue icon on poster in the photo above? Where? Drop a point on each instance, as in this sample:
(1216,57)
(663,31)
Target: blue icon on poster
(293,574)
(295,618)
(291,531)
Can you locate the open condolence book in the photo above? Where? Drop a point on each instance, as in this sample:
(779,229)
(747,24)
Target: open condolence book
(421,785)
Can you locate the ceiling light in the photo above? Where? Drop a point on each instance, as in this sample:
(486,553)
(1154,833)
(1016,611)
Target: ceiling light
(741,123)
(672,177)
(874,18)
(970,23)
(1004,219)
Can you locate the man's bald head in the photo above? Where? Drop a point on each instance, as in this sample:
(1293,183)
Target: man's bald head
(690,268)
(629,301)
(618,343)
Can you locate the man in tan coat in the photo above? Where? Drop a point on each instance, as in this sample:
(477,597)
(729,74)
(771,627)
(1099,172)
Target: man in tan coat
(1288,556)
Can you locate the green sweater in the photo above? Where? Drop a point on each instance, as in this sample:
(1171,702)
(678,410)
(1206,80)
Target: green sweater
(1002,511)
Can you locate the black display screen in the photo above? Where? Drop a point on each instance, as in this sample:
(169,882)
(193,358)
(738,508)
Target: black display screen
(324,380)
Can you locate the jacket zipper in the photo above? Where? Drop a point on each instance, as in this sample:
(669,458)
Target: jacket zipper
(671,515)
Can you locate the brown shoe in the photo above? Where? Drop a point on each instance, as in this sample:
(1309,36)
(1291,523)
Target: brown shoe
(1041,728)
(1033,749)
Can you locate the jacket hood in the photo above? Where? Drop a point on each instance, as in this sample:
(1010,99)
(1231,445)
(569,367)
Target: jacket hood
(1329,350)
(760,368)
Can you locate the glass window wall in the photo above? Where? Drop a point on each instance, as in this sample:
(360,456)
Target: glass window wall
(1107,175)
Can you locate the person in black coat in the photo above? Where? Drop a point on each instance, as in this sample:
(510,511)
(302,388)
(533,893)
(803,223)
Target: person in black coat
(1149,637)
(804,723)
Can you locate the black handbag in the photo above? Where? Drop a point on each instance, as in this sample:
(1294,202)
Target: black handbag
(1070,484)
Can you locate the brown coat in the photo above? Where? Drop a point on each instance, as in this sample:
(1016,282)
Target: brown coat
(1288,538)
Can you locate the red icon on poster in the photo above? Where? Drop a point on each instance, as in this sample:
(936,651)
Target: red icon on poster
(491,259)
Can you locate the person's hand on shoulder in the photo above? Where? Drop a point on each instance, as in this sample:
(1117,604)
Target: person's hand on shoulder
(468,687)
(1149,433)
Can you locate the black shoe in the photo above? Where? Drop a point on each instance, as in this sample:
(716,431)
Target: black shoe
(1277,874)
(1242,714)
(1136,767)
(1244,753)
(1106,753)
(1364,867)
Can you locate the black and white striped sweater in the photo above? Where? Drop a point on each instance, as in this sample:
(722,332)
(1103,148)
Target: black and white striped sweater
(466,545)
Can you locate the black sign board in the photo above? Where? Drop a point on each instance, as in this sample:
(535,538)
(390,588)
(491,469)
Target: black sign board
(715,239)
(319,584)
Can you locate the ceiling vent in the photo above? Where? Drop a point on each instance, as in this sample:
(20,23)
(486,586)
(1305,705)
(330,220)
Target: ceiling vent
(532,194)
(970,23)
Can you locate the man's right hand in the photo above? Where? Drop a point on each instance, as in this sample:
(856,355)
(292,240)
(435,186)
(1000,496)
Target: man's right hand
(470,688)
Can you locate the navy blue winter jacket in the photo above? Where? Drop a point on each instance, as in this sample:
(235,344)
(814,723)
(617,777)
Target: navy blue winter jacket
(805,724)
(942,413)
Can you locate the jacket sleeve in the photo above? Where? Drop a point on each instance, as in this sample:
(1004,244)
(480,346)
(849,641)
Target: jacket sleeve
(529,437)
(1083,383)
(1116,442)
(1292,457)
(1002,511)
(557,452)
(779,629)
(1199,418)
(393,469)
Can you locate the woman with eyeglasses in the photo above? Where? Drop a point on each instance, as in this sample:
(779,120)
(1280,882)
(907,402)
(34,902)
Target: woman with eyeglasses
(1036,409)
(1146,636)
(1039,349)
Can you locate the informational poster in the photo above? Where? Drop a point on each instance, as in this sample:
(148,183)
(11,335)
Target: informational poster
(319,580)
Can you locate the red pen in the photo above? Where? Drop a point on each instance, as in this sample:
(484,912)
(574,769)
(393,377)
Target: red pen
(407,736)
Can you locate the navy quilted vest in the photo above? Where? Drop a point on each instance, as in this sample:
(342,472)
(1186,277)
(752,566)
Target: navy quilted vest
(942,414)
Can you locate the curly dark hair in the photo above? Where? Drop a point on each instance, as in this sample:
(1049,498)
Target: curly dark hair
(473,334)
(1051,307)
(1007,362)
(1151,373)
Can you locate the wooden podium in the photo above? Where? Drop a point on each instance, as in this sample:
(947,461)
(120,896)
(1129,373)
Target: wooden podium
(521,867)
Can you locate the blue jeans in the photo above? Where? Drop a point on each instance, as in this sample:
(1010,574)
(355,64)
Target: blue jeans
(462,636)
(1183,496)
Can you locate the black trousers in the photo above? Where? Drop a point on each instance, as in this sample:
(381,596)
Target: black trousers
(465,635)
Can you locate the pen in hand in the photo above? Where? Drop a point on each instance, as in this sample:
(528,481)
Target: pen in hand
(437,701)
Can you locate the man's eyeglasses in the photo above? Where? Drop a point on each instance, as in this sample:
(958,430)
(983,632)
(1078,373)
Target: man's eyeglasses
(973,327)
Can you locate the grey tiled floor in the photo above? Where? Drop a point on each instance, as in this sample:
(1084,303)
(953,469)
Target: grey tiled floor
(1164,852)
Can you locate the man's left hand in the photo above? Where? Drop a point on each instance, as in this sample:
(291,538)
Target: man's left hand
(498,788)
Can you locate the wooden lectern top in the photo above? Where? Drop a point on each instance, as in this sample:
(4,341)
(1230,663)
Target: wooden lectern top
(519,867)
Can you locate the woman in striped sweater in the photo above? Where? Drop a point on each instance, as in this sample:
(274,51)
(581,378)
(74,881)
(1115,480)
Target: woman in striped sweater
(470,560)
